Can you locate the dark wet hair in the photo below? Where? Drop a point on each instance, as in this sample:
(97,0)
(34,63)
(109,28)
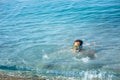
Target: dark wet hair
(81,42)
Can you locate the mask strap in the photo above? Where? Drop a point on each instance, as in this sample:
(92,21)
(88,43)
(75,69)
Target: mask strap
(80,47)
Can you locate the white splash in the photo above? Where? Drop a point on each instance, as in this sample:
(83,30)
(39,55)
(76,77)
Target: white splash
(45,56)
(87,44)
(86,59)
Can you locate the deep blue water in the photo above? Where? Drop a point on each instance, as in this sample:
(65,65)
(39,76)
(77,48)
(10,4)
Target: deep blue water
(37,36)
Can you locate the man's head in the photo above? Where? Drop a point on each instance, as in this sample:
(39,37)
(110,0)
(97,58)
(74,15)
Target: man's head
(78,42)
(77,46)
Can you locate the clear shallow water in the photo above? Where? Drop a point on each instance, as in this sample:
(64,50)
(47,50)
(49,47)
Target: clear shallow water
(37,36)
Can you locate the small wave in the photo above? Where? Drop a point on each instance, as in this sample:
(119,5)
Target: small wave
(85,75)
(13,67)
(113,67)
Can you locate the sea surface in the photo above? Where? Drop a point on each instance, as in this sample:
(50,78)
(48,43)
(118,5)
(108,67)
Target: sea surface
(37,36)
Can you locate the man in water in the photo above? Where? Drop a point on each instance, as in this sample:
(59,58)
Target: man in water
(77,46)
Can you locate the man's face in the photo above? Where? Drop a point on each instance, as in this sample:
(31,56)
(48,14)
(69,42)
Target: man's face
(77,43)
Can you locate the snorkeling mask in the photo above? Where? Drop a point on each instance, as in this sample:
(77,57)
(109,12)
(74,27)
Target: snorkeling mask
(78,47)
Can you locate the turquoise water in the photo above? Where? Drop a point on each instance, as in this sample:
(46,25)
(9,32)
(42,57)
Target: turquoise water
(37,36)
